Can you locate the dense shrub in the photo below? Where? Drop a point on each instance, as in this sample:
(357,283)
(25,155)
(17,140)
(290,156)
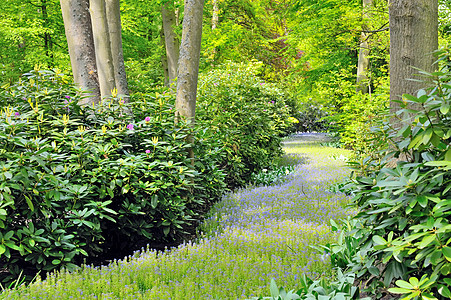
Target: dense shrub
(311,118)
(248,117)
(93,182)
(404,229)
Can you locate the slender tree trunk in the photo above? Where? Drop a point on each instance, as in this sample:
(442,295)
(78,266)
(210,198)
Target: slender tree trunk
(114,28)
(363,61)
(413,39)
(78,28)
(172,43)
(104,56)
(215,17)
(47,37)
(164,60)
(188,69)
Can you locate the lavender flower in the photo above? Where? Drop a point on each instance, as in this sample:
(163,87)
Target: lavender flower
(130,126)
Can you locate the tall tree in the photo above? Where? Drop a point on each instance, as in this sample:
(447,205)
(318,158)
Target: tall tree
(172,43)
(413,39)
(188,69)
(102,42)
(93,30)
(77,23)
(113,13)
(364,61)
(215,15)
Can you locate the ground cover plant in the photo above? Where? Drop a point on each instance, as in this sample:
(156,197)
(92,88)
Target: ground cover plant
(251,236)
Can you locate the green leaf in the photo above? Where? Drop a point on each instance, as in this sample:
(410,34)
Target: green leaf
(444,108)
(166,230)
(426,241)
(427,136)
(2,249)
(422,200)
(404,284)
(154,201)
(448,155)
(399,290)
(378,240)
(30,204)
(444,291)
(274,289)
(447,253)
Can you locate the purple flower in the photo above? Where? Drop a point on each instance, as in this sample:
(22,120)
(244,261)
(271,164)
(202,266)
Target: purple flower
(215,84)
(147,151)
(67,97)
(17,114)
(147,119)
(130,126)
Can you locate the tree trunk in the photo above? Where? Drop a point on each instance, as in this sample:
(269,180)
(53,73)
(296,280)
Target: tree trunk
(215,17)
(77,24)
(363,61)
(413,39)
(172,43)
(188,69)
(104,56)
(164,60)
(114,28)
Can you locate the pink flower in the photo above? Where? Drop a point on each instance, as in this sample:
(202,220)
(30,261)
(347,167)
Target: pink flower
(17,114)
(147,119)
(130,126)
(147,151)
(215,84)
(67,97)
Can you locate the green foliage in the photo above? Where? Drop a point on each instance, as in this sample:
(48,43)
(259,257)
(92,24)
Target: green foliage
(269,177)
(405,230)
(342,288)
(31,33)
(310,118)
(87,182)
(247,116)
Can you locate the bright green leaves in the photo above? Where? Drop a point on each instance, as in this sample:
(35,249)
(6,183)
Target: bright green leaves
(447,253)
(83,181)
(405,210)
(414,288)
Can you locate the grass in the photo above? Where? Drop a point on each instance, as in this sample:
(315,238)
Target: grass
(251,236)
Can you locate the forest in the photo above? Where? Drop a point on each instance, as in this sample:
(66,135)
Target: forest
(225,149)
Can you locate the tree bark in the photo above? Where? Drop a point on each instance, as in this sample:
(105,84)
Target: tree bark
(104,56)
(413,39)
(172,43)
(78,28)
(164,60)
(215,16)
(188,69)
(364,61)
(114,28)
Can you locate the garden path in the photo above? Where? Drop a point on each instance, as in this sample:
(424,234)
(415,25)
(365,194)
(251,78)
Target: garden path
(251,236)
